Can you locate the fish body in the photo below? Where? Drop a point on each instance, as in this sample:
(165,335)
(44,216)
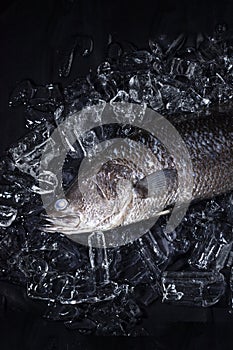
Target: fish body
(138,187)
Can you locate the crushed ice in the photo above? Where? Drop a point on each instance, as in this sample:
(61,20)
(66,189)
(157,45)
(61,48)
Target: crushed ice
(102,290)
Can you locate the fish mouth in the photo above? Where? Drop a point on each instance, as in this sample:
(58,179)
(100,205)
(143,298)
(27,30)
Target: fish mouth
(63,223)
(67,226)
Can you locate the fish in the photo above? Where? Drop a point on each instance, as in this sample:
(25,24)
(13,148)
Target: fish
(145,184)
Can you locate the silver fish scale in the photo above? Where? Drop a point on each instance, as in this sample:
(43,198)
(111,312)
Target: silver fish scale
(209,140)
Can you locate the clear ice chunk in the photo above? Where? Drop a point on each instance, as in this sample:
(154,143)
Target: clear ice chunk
(192,288)
(59,312)
(124,111)
(27,153)
(65,56)
(98,257)
(47,183)
(151,253)
(22,93)
(89,142)
(213,250)
(31,265)
(7,215)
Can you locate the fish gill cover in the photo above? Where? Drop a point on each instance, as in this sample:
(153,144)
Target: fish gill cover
(104,290)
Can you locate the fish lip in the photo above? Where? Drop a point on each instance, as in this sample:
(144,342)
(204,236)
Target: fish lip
(66,230)
(61,222)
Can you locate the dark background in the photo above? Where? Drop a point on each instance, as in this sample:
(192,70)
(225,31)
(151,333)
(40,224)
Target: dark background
(30,34)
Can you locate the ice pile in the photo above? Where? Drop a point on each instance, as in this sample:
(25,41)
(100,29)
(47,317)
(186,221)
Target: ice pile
(103,290)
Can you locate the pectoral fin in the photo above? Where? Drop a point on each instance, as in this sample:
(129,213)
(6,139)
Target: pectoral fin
(156,183)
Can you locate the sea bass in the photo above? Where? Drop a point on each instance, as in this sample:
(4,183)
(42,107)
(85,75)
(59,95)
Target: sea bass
(130,189)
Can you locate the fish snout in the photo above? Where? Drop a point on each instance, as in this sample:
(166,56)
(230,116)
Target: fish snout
(63,216)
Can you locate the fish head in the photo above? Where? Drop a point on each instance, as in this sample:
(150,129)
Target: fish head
(93,210)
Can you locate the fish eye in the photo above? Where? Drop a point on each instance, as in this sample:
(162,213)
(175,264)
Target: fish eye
(61,204)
